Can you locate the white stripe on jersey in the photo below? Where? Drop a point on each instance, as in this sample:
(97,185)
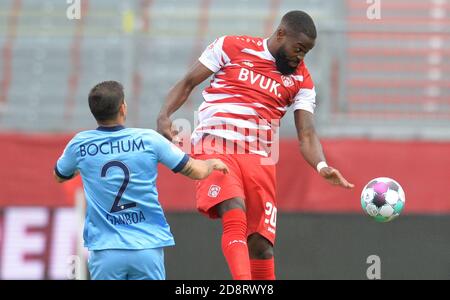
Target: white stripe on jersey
(230,64)
(230,135)
(260,54)
(262,153)
(254,104)
(260,105)
(215,83)
(264,54)
(214,121)
(297,77)
(233,135)
(213,97)
(207,111)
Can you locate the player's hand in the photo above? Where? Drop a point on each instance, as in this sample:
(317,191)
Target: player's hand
(334,177)
(219,165)
(164,127)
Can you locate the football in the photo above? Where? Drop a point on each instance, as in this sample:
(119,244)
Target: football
(383,199)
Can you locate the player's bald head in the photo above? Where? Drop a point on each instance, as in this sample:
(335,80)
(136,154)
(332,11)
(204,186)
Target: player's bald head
(296,22)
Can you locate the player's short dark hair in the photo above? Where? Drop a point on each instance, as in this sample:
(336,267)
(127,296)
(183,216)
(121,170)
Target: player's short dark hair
(105,99)
(297,21)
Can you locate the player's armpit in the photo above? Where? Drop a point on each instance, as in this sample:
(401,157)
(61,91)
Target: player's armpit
(197,74)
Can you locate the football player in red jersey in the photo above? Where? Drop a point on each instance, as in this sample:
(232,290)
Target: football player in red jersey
(254,81)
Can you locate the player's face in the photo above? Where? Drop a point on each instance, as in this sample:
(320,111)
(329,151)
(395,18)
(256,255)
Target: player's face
(292,52)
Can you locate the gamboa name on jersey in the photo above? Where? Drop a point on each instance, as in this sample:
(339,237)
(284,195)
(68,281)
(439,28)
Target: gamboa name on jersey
(126,218)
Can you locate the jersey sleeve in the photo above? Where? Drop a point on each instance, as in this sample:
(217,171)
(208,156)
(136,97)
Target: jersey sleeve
(67,163)
(169,154)
(306,96)
(214,58)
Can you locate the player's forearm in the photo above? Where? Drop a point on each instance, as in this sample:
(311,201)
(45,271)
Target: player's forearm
(176,98)
(197,169)
(204,168)
(311,148)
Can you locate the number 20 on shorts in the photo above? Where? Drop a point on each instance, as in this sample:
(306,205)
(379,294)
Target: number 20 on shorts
(271,216)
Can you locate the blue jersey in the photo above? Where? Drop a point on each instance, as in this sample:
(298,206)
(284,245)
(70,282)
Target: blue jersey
(118,167)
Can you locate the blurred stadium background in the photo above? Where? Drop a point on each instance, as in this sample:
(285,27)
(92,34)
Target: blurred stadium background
(383,110)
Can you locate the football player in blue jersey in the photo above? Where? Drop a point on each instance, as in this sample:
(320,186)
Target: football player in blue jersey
(125,228)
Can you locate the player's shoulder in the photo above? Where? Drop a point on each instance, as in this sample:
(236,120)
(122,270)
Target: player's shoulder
(145,133)
(83,136)
(139,130)
(244,41)
(80,138)
(301,68)
(301,73)
(302,77)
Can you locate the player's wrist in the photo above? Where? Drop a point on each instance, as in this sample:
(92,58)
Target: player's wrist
(321,165)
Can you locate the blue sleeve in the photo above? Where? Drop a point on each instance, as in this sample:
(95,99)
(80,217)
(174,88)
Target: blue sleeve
(67,163)
(169,154)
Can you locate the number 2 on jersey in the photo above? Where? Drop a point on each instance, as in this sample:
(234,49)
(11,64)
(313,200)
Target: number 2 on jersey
(116,207)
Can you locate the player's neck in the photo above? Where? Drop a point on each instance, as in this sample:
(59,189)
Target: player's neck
(111,123)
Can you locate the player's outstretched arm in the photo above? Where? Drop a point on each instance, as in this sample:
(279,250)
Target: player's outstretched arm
(178,95)
(200,169)
(311,148)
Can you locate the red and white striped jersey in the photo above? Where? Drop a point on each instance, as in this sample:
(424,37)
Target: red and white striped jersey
(248,96)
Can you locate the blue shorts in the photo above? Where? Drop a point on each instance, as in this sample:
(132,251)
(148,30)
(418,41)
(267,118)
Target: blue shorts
(124,264)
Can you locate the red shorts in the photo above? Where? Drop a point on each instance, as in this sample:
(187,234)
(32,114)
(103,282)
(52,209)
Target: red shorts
(248,180)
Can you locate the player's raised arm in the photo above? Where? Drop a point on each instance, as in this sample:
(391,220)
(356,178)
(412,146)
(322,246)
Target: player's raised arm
(311,149)
(200,169)
(178,95)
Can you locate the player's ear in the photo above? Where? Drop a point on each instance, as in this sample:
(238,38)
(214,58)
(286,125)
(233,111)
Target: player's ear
(281,33)
(123,107)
